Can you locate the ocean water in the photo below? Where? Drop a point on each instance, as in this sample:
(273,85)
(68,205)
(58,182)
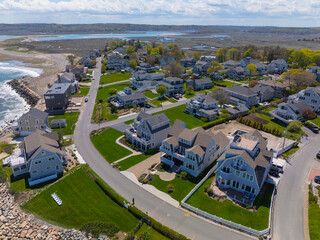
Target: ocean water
(12,106)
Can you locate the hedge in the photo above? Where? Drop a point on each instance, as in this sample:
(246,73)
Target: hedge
(215,122)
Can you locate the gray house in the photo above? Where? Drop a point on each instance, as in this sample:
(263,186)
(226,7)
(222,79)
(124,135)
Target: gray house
(42,158)
(244,167)
(188,62)
(311,96)
(69,77)
(165,61)
(316,71)
(78,70)
(174,85)
(265,93)
(203,105)
(231,64)
(147,131)
(58,96)
(31,121)
(143,80)
(237,73)
(279,87)
(242,95)
(191,151)
(199,84)
(238,110)
(201,68)
(277,66)
(127,100)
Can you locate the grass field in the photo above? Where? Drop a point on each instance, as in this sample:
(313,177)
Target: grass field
(16,185)
(227,210)
(158,102)
(106,144)
(193,93)
(105,114)
(114,77)
(131,161)
(314,221)
(83,202)
(227,83)
(149,231)
(129,121)
(316,121)
(71,119)
(103,92)
(84,90)
(150,94)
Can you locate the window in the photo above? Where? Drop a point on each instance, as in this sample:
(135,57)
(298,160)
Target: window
(42,152)
(237,173)
(248,176)
(57,167)
(243,175)
(251,178)
(37,121)
(34,172)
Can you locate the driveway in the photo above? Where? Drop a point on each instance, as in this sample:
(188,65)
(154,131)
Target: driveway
(122,127)
(313,172)
(143,166)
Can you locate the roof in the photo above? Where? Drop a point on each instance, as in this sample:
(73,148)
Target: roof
(187,134)
(209,100)
(231,62)
(241,90)
(157,122)
(221,139)
(299,106)
(67,75)
(58,121)
(203,81)
(273,83)
(58,88)
(197,150)
(36,113)
(242,108)
(174,79)
(177,128)
(132,97)
(261,89)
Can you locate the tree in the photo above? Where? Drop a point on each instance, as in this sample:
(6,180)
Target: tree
(233,54)
(222,54)
(161,90)
(133,64)
(221,96)
(103,68)
(174,70)
(308,114)
(251,68)
(189,90)
(71,59)
(112,91)
(196,55)
(298,79)
(252,83)
(248,53)
(294,126)
(214,67)
(130,50)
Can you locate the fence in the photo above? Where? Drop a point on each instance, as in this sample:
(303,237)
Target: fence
(221,220)
(282,150)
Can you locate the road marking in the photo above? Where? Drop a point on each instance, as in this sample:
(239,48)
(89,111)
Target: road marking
(187,215)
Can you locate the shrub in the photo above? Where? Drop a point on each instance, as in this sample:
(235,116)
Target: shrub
(144,236)
(210,192)
(142,177)
(309,114)
(294,126)
(97,228)
(151,151)
(204,119)
(206,188)
(184,174)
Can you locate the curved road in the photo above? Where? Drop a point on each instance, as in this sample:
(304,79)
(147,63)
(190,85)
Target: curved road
(175,218)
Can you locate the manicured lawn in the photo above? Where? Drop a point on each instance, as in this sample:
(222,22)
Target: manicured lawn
(106,144)
(17,185)
(269,109)
(83,91)
(314,221)
(154,235)
(193,93)
(227,83)
(316,121)
(291,151)
(105,114)
(71,119)
(129,121)
(103,92)
(158,102)
(177,113)
(82,202)
(228,210)
(150,94)
(131,161)
(114,77)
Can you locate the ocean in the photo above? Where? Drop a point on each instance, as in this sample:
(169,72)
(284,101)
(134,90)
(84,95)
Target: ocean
(12,106)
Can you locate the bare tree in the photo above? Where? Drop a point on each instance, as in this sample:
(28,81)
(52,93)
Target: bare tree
(221,96)
(174,70)
(71,59)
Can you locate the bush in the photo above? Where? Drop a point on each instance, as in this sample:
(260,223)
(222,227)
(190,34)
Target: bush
(215,122)
(309,114)
(170,188)
(206,188)
(294,126)
(97,228)
(184,174)
(144,236)
(151,151)
(210,191)
(204,119)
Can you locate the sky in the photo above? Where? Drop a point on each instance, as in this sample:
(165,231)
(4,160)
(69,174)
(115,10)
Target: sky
(283,13)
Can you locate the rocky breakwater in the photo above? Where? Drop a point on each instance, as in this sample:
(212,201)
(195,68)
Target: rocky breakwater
(15,224)
(24,91)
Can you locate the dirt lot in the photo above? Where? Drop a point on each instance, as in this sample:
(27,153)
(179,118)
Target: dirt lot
(254,118)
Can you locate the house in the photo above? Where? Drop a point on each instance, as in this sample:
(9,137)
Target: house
(231,64)
(316,71)
(78,70)
(147,131)
(58,96)
(127,100)
(290,111)
(208,59)
(174,85)
(201,68)
(116,61)
(143,66)
(191,151)
(248,60)
(31,121)
(242,95)
(203,105)
(199,84)
(238,110)
(265,93)
(42,158)
(165,61)
(261,68)
(278,86)
(188,62)
(58,123)
(94,54)
(277,66)
(311,96)
(143,80)
(243,168)
(69,77)
(237,73)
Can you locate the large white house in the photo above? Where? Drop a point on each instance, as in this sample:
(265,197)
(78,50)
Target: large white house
(191,150)
(203,105)
(311,96)
(244,167)
(42,158)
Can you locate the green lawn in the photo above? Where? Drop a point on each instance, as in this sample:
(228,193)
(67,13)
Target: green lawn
(103,92)
(314,221)
(158,102)
(316,121)
(269,109)
(150,94)
(114,77)
(131,161)
(83,91)
(291,151)
(16,185)
(71,119)
(129,121)
(149,231)
(83,202)
(193,93)
(106,144)
(105,114)
(227,210)
(227,83)
(177,113)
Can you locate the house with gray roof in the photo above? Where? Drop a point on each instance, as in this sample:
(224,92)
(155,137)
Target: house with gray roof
(265,93)
(244,167)
(29,122)
(148,131)
(78,70)
(203,105)
(123,100)
(290,111)
(242,95)
(191,151)
(277,66)
(261,68)
(174,85)
(58,96)
(201,68)
(238,110)
(237,73)
(315,70)
(69,77)
(278,86)
(165,61)
(311,95)
(199,84)
(142,80)
(231,64)
(188,62)
(42,158)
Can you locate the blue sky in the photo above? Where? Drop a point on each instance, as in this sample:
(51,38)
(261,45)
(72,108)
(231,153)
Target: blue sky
(292,13)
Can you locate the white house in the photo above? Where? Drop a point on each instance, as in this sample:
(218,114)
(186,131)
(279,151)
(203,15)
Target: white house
(203,105)
(311,96)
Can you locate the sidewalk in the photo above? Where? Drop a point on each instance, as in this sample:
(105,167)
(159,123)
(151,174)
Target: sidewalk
(80,159)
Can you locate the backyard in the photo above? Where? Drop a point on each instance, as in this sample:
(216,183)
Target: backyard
(193,93)
(115,77)
(71,120)
(316,121)
(314,217)
(105,143)
(83,202)
(103,91)
(83,91)
(150,94)
(226,209)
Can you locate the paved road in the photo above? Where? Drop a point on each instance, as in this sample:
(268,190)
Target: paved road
(288,217)
(191,226)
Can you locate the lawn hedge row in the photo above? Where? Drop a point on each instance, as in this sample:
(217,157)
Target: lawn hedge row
(215,122)
(165,231)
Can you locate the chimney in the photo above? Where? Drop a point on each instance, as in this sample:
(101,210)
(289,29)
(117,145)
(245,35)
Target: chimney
(59,78)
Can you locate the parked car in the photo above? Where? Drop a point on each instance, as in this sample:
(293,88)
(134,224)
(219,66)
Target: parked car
(147,106)
(274,173)
(317,179)
(312,127)
(318,155)
(86,100)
